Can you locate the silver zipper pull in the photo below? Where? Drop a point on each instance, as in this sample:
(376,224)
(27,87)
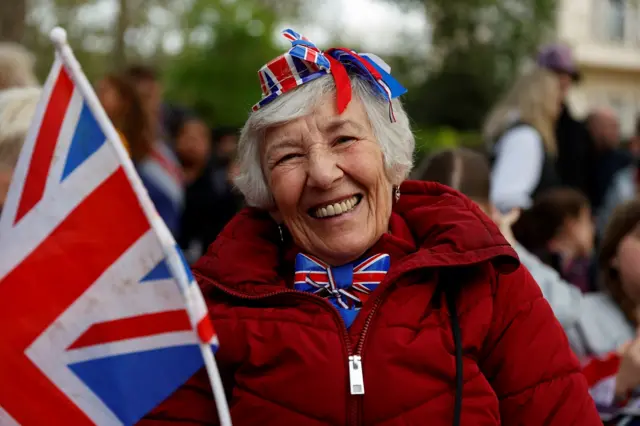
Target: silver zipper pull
(356,379)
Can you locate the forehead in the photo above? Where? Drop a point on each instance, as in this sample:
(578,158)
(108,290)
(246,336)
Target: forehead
(323,118)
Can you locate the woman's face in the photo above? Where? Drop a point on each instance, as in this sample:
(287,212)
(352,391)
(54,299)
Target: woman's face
(327,176)
(628,266)
(109,98)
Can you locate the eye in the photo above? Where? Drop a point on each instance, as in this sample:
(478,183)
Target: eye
(344,139)
(286,158)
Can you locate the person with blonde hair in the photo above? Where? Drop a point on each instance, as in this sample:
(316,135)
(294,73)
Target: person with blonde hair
(17,107)
(16,66)
(521,132)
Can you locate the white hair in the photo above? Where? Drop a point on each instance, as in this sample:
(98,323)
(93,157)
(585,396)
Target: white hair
(17,107)
(16,66)
(396,140)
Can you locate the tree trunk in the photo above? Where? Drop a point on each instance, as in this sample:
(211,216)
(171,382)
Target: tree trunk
(119,47)
(13,14)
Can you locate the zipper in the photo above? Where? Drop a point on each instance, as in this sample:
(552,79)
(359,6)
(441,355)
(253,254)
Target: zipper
(354,357)
(356,378)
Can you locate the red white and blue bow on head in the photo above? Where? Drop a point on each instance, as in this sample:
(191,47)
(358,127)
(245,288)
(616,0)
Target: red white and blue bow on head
(347,287)
(305,62)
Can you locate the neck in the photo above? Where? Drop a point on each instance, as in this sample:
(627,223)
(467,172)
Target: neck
(192,171)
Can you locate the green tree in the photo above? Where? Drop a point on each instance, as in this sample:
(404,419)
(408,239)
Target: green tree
(477,48)
(12,20)
(219,78)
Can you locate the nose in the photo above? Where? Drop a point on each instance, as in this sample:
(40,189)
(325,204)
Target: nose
(323,170)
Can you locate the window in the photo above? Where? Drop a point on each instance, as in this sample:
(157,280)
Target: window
(615,27)
(617,104)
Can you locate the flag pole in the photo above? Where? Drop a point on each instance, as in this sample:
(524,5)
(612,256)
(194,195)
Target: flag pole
(195,304)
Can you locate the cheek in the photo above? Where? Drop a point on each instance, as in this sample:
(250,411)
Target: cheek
(287,184)
(365,165)
(629,267)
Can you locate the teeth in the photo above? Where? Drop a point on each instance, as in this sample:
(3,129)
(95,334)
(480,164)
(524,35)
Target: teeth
(337,208)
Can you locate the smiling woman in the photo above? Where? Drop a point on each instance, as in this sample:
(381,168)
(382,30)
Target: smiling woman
(348,296)
(304,159)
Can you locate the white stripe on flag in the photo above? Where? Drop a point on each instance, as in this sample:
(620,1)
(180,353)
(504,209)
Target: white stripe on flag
(67,130)
(128,346)
(6,419)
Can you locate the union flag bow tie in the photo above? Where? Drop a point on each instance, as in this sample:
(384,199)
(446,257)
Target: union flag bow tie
(347,287)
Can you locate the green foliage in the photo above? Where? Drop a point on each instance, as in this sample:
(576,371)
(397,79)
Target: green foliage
(215,72)
(458,94)
(220,78)
(478,47)
(436,138)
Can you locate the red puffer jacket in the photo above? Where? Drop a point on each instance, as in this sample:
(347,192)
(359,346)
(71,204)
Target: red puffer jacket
(284,354)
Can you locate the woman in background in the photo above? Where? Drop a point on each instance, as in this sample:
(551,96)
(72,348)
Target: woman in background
(124,108)
(155,163)
(521,132)
(559,230)
(615,379)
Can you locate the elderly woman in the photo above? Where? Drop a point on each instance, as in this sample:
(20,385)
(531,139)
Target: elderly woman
(345,298)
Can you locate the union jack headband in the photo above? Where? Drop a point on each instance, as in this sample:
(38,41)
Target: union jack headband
(304,62)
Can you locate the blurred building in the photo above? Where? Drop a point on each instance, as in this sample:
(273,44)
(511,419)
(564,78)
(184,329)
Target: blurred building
(605,36)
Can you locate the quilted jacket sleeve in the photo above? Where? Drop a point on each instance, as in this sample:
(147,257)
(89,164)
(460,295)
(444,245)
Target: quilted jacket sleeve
(526,358)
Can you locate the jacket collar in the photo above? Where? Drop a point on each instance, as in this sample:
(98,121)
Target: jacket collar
(431,226)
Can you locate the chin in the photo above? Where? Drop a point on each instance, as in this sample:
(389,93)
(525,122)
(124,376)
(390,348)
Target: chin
(343,250)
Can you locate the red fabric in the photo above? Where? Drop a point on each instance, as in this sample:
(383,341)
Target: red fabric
(284,354)
(597,369)
(343,83)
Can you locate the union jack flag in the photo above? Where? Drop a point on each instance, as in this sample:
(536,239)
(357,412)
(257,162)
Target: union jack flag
(93,323)
(348,286)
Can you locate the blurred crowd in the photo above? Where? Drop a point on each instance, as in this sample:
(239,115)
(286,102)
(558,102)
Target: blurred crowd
(564,191)
(186,164)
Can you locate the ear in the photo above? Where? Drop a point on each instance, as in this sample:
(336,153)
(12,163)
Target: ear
(396,175)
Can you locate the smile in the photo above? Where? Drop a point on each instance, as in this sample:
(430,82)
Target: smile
(336,209)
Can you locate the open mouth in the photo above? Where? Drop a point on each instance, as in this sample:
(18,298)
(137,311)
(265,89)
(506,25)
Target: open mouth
(336,209)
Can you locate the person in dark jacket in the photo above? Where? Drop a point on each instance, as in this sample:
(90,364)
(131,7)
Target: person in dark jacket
(609,158)
(575,154)
(210,199)
(346,296)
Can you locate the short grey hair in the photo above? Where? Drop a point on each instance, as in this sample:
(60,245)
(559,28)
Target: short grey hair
(396,140)
(16,66)
(17,108)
